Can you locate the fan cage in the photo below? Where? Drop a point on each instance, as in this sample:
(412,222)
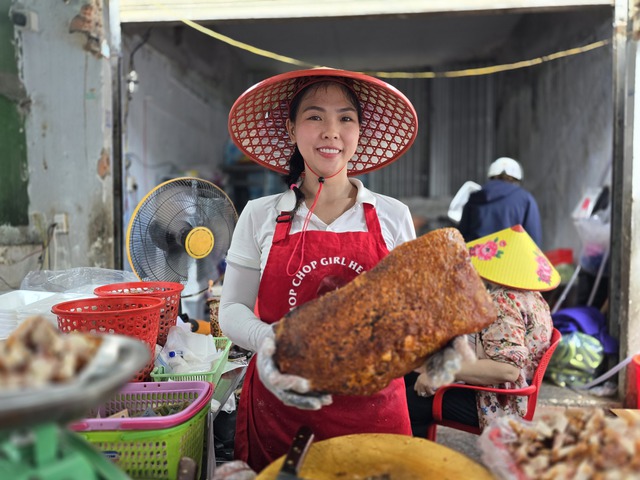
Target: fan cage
(161,221)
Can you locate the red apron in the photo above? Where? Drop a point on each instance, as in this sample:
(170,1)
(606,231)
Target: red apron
(265,426)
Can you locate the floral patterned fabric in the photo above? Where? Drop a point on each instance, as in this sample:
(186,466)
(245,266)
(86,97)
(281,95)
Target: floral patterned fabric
(520,336)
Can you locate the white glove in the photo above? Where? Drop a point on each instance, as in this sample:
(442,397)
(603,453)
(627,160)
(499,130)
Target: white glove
(235,470)
(290,389)
(441,367)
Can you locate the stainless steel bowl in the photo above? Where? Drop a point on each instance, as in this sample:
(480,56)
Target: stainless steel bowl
(115,363)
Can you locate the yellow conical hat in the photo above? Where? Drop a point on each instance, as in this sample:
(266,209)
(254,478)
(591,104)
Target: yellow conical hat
(511,258)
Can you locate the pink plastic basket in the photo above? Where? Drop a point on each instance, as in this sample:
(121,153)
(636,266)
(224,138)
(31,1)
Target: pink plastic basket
(151,447)
(169,291)
(137,397)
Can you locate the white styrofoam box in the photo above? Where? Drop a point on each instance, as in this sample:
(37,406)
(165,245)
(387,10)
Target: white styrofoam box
(43,307)
(10,302)
(8,320)
(6,331)
(8,323)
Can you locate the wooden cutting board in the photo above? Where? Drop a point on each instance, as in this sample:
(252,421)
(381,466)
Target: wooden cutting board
(356,457)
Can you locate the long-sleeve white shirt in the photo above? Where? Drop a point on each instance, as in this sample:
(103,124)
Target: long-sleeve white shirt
(251,245)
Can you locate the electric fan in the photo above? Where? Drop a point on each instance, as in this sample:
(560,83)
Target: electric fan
(180,232)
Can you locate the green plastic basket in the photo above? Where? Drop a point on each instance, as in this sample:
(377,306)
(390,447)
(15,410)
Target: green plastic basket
(153,454)
(151,447)
(212,376)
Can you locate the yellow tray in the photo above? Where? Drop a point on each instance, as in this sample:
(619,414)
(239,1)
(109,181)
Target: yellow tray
(354,457)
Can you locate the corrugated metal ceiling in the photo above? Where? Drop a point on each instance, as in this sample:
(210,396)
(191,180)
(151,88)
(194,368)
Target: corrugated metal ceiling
(133,11)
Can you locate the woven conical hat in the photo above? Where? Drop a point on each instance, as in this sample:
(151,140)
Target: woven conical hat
(257,120)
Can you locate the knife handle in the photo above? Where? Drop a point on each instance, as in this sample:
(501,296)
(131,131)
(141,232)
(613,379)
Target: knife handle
(298,450)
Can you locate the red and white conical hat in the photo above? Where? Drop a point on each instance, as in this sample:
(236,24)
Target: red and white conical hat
(257,120)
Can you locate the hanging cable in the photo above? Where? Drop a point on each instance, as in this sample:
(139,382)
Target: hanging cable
(307,219)
(304,231)
(132,78)
(427,74)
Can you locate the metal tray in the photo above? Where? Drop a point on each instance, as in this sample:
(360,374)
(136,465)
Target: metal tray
(117,359)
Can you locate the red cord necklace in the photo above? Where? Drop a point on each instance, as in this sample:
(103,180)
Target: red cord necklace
(301,238)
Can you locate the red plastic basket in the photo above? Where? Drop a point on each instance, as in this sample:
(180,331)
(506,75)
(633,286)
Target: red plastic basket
(635,372)
(169,291)
(560,256)
(135,316)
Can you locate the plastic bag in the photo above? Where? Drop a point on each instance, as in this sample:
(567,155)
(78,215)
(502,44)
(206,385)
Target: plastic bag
(187,352)
(442,366)
(566,444)
(74,280)
(589,320)
(576,360)
(234,470)
(595,234)
(494,443)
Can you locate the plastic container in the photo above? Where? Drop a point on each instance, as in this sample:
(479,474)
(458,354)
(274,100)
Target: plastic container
(150,447)
(169,291)
(632,398)
(135,316)
(560,256)
(636,364)
(211,376)
(214,310)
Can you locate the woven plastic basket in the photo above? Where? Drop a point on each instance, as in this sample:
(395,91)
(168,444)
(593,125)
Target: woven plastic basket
(135,316)
(212,376)
(169,291)
(151,447)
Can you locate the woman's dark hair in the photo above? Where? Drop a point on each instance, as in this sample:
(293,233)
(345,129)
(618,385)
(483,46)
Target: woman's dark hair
(296,162)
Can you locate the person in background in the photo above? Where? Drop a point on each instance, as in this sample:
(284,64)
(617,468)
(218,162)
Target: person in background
(508,351)
(318,128)
(501,203)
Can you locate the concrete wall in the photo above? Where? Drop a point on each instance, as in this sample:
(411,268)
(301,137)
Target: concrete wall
(175,125)
(64,68)
(176,119)
(557,119)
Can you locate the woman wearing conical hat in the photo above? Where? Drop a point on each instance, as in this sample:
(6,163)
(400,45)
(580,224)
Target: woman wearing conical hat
(318,128)
(509,349)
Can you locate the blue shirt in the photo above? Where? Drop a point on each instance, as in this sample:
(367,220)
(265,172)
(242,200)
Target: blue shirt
(497,206)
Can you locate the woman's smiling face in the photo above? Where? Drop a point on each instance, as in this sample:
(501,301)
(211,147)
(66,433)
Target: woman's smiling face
(325,128)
